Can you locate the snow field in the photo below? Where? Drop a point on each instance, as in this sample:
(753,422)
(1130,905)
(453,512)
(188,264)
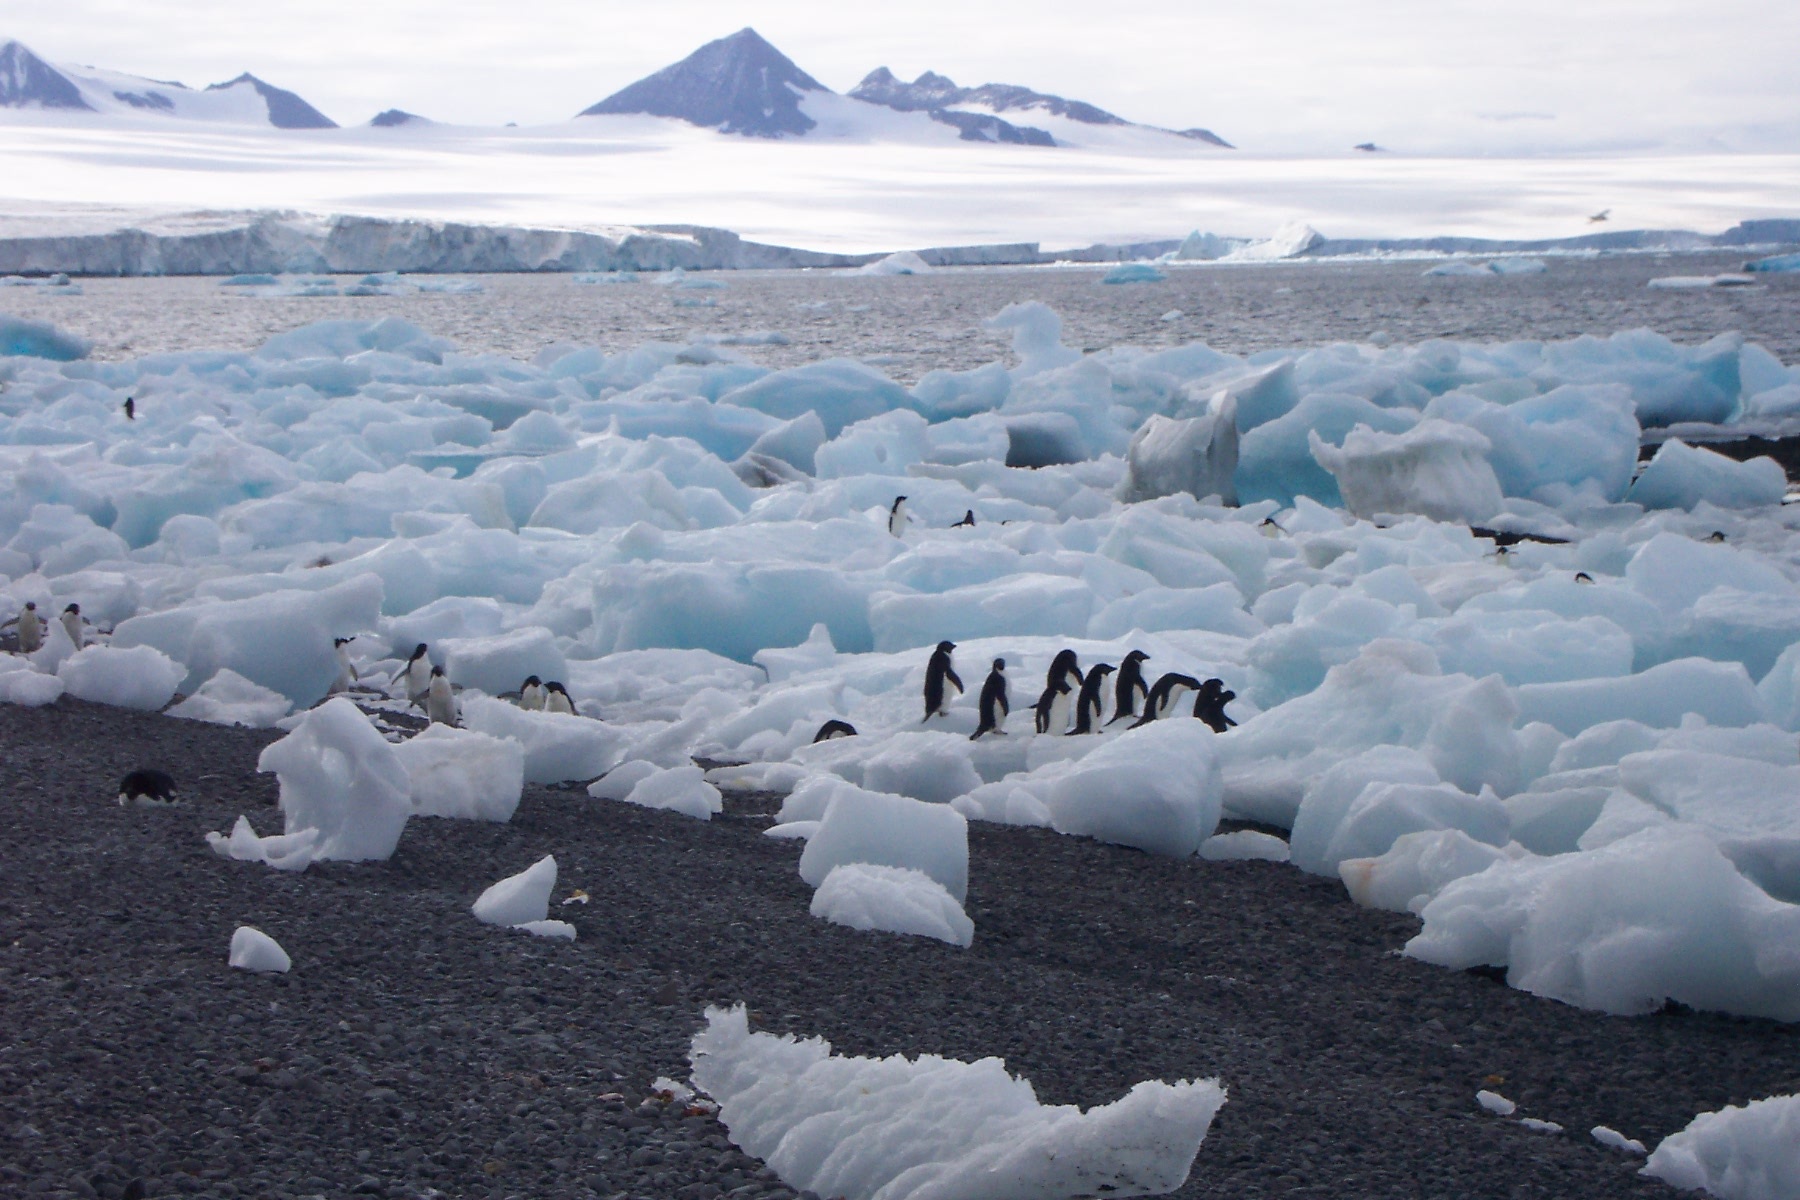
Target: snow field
(896,1128)
(1518,747)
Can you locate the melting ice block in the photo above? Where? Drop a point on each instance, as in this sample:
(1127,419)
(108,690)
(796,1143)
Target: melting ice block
(254,950)
(230,699)
(519,899)
(140,677)
(871,827)
(1681,476)
(461,773)
(895,899)
(678,789)
(1436,468)
(341,778)
(558,746)
(933,1128)
(1741,1152)
(1156,788)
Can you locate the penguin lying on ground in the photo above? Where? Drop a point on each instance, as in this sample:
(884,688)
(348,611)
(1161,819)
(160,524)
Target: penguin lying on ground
(31,628)
(1165,696)
(938,673)
(148,787)
(994,706)
(1091,704)
(1130,686)
(1209,705)
(834,728)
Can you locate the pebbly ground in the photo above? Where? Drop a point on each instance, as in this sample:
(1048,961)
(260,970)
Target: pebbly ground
(414,1052)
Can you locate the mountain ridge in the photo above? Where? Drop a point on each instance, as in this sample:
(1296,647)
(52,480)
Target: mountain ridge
(738,84)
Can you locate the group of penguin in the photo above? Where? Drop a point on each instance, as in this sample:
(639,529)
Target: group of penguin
(31,625)
(1065,680)
(429,688)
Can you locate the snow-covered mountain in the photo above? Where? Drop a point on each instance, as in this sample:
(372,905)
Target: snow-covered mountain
(27,81)
(738,84)
(938,94)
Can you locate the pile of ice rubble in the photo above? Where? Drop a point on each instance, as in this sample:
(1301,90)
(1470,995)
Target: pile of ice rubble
(1575,760)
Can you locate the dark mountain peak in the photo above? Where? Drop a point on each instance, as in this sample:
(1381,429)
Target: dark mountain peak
(738,84)
(397,116)
(286,110)
(929,91)
(27,81)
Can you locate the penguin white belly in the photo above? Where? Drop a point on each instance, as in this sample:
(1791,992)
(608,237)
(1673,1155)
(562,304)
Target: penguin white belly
(440,702)
(31,632)
(559,703)
(72,626)
(418,679)
(1058,719)
(532,698)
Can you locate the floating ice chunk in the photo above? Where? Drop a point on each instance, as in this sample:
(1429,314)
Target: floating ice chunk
(37,339)
(893,899)
(911,1129)
(29,689)
(519,898)
(1747,1152)
(499,663)
(1775,264)
(340,777)
(1518,266)
(139,677)
(1291,240)
(902,262)
(461,773)
(617,783)
(1416,868)
(1134,273)
(1612,1139)
(1244,845)
(254,950)
(1681,476)
(1678,283)
(1461,269)
(1196,455)
(230,699)
(894,831)
(679,789)
(1436,469)
(1660,915)
(557,746)
(283,851)
(1155,787)
(284,641)
(1660,697)
(1495,1103)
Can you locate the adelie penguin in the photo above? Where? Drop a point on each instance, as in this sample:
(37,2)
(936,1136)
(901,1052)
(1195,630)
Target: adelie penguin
(416,674)
(1165,696)
(833,729)
(897,516)
(1052,709)
(968,520)
(131,408)
(531,693)
(1583,577)
(31,628)
(940,677)
(346,672)
(994,705)
(74,624)
(1064,669)
(557,699)
(148,787)
(1130,687)
(1210,702)
(440,699)
(1091,704)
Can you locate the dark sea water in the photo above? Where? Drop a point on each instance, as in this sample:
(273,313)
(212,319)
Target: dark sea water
(909,324)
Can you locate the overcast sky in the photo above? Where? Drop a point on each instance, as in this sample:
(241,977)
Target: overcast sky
(1273,75)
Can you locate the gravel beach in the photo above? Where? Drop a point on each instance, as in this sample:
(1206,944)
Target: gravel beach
(414,1052)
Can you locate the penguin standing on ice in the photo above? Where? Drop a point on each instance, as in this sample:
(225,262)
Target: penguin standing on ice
(131,408)
(1064,669)
(1165,696)
(31,628)
(994,707)
(440,699)
(1091,704)
(532,694)
(1209,705)
(1052,708)
(940,676)
(1130,686)
(346,672)
(834,728)
(897,516)
(417,673)
(968,520)
(74,624)
(148,787)
(557,700)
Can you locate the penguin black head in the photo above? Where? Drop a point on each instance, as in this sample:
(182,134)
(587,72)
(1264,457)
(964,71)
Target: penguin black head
(341,642)
(968,519)
(554,686)
(533,681)
(945,647)
(1212,687)
(418,652)
(31,605)
(1717,535)
(437,672)
(1136,656)
(147,784)
(1583,577)
(999,664)
(73,608)
(898,501)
